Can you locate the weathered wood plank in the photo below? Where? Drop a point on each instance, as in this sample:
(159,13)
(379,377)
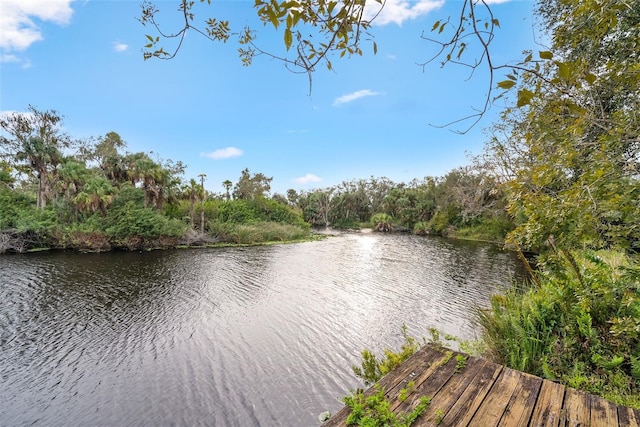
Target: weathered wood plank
(488,394)
(603,413)
(628,417)
(428,384)
(463,410)
(577,408)
(518,411)
(424,384)
(546,412)
(493,406)
(451,392)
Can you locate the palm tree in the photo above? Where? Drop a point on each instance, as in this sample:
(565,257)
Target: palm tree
(72,175)
(96,195)
(227,186)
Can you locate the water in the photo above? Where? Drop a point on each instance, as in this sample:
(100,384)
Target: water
(260,336)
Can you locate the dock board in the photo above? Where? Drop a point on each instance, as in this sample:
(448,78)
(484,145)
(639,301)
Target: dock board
(486,394)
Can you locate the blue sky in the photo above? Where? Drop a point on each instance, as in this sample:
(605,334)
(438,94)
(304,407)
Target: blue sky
(371,116)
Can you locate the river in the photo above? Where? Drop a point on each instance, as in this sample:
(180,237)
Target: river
(258,336)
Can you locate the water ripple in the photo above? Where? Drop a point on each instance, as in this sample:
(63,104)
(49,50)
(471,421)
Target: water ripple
(233,337)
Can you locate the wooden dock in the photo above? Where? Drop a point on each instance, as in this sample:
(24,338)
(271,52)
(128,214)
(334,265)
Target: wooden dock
(486,394)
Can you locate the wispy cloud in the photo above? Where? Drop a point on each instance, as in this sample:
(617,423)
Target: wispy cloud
(307,179)
(120,47)
(10,58)
(496,1)
(398,11)
(350,97)
(18,29)
(223,153)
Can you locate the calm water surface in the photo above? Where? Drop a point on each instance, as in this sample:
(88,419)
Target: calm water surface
(260,336)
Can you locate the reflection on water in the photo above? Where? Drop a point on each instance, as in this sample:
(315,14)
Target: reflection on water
(229,337)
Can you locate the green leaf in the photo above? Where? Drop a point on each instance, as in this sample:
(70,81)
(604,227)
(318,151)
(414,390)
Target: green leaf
(150,38)
(564,71)
(375,48)
(288,38)
(590,78)
(545,54)
(273,18)
(495,22)
(524,97)
(436,25)
(332,5)
(506,84)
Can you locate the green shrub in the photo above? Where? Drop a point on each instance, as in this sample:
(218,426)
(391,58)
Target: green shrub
(375,410)
(421,228)
(381,222)
(373,368)
(262,232)
(578,326)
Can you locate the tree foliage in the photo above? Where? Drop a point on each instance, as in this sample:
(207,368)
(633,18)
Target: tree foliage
(35,140)
(251,187)
(570,155)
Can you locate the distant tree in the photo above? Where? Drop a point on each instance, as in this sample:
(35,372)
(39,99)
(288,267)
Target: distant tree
(292,197)
(227,188)
(36,139)
(251,187)
(280,199)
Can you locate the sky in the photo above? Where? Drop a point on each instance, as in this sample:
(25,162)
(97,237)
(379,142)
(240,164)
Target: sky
(377,115)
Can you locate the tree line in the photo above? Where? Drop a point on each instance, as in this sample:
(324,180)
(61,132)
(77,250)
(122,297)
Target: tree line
(92,194)
(58,192)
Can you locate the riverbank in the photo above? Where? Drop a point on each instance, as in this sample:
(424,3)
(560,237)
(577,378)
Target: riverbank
(264,233)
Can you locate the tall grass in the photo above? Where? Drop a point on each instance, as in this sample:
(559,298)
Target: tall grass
(261,232)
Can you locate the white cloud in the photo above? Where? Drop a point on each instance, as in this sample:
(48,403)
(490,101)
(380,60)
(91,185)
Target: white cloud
(307,179)
(496,1)
(120,47)
(223,153)
(398,11)
(9,58)
(350,97)
(18,29)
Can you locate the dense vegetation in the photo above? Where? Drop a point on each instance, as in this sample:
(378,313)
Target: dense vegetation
(570,155)
(101,198)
